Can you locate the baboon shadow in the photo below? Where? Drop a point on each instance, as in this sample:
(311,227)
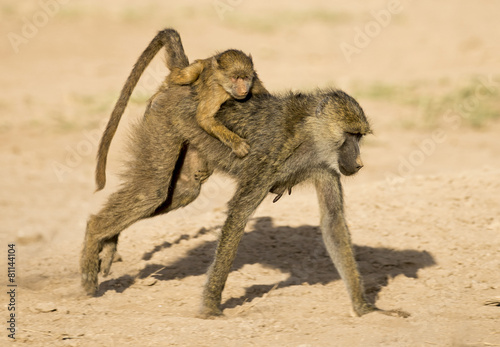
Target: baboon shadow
(299,251)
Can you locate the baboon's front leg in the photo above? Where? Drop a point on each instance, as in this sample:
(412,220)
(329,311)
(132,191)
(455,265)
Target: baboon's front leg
(241,206)
(337,239)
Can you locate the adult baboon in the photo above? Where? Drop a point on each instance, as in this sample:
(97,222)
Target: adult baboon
(293,137)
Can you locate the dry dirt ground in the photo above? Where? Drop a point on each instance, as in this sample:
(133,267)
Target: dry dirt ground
(423,212)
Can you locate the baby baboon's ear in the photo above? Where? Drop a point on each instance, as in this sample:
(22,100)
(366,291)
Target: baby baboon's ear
(214,62)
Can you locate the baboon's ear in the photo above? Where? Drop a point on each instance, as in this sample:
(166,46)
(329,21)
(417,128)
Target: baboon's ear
(321,106)
(251,59)
(215,63)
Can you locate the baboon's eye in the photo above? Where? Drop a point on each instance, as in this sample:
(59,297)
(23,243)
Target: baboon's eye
(357,135)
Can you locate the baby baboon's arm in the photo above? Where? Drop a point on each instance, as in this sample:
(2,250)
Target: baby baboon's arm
(210,101)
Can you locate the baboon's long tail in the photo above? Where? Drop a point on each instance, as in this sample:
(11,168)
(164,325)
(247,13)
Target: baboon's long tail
(175,58)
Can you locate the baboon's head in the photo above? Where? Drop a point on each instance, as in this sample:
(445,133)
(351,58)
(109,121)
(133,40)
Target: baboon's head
(339,124)
(234,72)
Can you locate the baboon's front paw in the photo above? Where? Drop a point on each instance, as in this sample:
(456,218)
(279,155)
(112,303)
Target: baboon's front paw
(89,283)
(368,308)
(395,313)
(209,311)
(241,149)
(364,308)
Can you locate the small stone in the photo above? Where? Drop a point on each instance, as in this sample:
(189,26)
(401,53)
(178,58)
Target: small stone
(148,281)
(45,307)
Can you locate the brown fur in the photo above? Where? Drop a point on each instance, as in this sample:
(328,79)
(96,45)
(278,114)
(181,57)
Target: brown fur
(216,80)
(176,60)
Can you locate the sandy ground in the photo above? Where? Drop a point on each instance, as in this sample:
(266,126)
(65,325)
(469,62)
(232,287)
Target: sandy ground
(423,212)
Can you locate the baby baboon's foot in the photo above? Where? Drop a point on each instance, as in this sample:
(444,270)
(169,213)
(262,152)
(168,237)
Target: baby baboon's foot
(117,258)
(202,175)
(241,149)
(279,192)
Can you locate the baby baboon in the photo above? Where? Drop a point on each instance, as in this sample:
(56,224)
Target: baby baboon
(216,80)
(176,60)
(294,137)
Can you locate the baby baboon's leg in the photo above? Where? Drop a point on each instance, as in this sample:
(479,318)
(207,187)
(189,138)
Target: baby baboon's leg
(191,172)
(186,75)
(241,206)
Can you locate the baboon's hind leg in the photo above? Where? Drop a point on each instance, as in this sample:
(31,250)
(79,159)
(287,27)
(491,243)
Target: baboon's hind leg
(189,173)
(145,189)
(124,207)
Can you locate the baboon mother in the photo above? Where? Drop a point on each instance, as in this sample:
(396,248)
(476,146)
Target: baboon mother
(293,137)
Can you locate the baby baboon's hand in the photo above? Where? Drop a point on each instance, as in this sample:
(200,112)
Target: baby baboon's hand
(241,149)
